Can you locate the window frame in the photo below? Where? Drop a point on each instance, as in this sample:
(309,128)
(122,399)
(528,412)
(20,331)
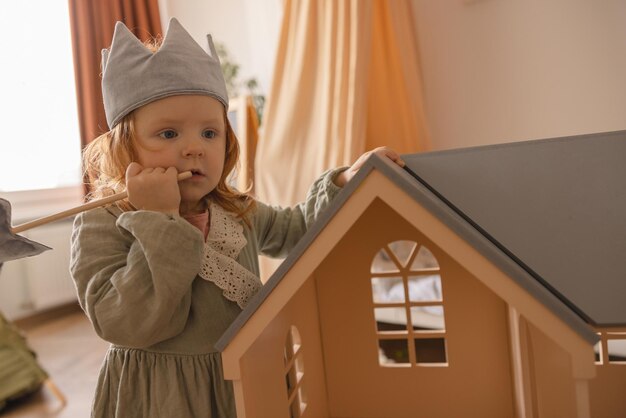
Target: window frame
(606,335)
(294,369)
(409,334)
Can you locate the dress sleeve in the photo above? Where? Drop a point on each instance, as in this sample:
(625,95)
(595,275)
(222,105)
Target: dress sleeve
(133,273)
(279,229)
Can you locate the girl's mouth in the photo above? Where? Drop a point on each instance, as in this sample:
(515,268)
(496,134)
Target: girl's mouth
(196,174)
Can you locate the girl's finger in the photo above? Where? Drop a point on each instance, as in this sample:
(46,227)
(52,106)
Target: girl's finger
(391,154)
(133,169)
(395,157)
(172,171)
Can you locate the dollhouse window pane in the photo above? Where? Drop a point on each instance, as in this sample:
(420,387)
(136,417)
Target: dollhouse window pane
(299,364)
(392,352)
(295,409)
(403,250)
(427,318)
(388,290)
(617,350)
(298,404)
(292,380)
(383,263)
(598,352)
(295,372)
(425,288)
(424,260)
(292,344)
(390,319)
(430,350)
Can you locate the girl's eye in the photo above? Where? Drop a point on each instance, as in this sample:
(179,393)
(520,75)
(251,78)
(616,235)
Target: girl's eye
(209,134)
(168,134)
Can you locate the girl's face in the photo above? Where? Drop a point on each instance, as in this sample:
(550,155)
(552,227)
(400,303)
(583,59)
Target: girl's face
(187,132)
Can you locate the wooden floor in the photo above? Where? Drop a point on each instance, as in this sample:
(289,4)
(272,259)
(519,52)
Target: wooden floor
(70,351)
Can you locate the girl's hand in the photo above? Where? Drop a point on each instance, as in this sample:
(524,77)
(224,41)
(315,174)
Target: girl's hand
(153,188)
(384,152)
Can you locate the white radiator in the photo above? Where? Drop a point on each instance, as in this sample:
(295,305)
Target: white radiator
(33,284)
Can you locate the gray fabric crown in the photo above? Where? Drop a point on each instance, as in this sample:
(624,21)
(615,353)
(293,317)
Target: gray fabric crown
(133,76)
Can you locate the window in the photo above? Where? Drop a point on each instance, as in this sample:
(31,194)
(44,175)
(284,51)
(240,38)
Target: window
(40,136)
(611,349)
(408,306)
(294,373)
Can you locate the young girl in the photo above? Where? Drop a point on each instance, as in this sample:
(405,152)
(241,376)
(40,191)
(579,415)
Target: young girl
(162,275)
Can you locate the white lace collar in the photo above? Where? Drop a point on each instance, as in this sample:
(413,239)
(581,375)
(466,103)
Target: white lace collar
(221,249)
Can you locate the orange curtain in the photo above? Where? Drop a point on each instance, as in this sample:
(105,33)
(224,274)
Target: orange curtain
(93,22)
(346,80)
(395,109)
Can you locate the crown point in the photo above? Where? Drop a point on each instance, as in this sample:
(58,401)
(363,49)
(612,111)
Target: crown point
(105,58)
(174,26)
(123,36)
(174,21)
(120,27)
(212,50)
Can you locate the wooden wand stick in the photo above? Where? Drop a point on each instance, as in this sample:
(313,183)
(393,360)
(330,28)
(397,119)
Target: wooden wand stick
(78,209)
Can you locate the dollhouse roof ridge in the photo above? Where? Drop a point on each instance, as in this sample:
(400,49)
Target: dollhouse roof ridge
(477,192)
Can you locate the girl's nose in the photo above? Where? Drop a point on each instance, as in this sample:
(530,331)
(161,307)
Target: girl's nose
(193,148)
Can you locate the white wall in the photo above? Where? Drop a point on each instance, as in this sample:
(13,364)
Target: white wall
(34,284)
(494,70)
(248,28)
(507,70)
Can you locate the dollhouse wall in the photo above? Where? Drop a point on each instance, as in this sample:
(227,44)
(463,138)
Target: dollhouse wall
(607,392)
(607,389)
(265,370)
(476,381)
(553,388)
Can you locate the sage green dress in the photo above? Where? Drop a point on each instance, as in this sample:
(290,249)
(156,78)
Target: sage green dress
(163,296)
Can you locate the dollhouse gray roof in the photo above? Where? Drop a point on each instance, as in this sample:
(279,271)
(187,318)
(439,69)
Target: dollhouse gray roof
(550,213)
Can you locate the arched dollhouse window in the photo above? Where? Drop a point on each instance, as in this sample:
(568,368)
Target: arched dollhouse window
(294,373)
(408,306)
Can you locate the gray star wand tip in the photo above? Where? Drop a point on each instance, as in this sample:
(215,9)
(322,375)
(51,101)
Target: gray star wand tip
(12,246)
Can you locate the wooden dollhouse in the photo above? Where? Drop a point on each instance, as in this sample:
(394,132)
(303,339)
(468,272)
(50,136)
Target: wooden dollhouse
(481,282)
